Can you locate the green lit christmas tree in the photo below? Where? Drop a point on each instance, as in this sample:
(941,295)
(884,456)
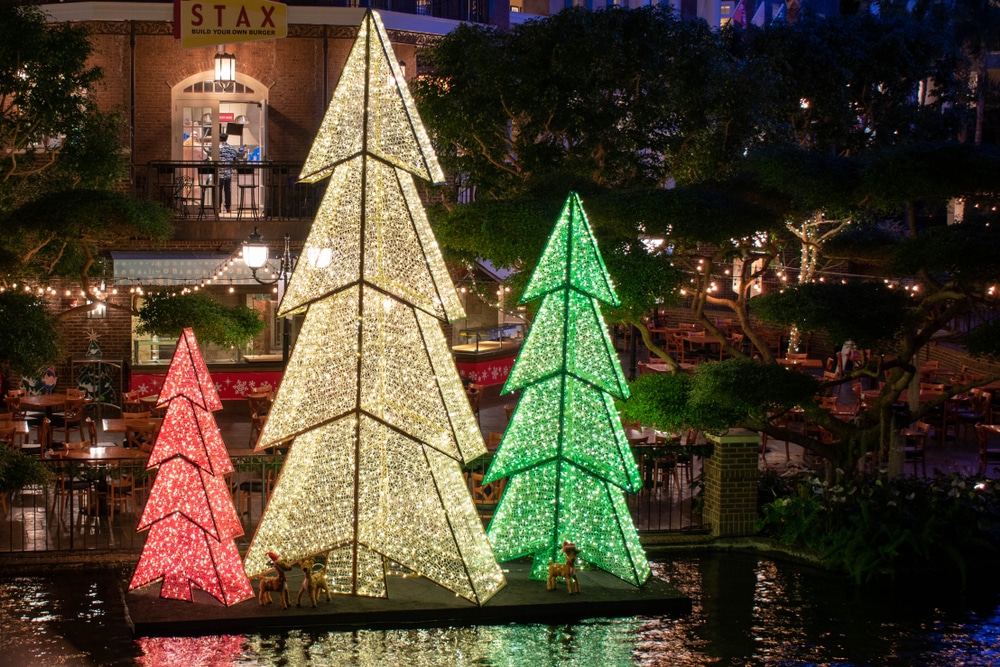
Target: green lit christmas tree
(565,451)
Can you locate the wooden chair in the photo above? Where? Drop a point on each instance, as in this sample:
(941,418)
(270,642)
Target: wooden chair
(988,452)
(259,484)
(475,394)
(7,418)
(828,403)
(928,369)
(737,340)
(508,410)
(833,379)
(915,444)
(779,422)
(72,483)
(139,436)
(43,443)
(493,441)
(13,403)
(676,348)
(92,434)
(71,417)
(643,368)
(260,405)
(121,493)
(76,393)
(977,411)
(131,402)
(486,496)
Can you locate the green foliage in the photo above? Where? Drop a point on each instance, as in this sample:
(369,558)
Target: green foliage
(213,322)
(46,108)
(869,313)
(621,98)
(934,172)
(28,338)
(965,254)
(984,341)
(660,399)
(810,181)
(19,470)
(61,157)
(66,232)
(740,391)
(876,527)
(717,396)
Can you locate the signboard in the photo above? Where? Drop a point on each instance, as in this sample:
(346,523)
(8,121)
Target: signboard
(211,22)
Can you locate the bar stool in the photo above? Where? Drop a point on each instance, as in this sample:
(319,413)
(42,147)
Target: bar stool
(206,183)
(246,186)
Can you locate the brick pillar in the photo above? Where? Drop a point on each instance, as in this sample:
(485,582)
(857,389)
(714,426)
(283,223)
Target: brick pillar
(731,483)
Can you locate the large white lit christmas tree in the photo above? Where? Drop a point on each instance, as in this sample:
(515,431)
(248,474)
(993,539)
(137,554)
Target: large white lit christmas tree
(565,451)
(371,403)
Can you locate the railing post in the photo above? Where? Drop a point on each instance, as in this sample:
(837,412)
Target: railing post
(731,474)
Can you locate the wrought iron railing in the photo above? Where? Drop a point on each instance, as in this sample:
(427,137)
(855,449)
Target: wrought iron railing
(72,512)
(257,190)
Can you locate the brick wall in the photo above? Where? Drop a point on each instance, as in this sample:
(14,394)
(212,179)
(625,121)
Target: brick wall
(297,75)
(113,332)
(731,484)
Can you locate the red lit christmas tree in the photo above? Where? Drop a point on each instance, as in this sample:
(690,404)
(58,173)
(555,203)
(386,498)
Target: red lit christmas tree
(190,515)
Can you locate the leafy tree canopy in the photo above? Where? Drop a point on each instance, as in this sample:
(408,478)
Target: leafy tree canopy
(165,314)
(60,156)
(869,313)
(28,338)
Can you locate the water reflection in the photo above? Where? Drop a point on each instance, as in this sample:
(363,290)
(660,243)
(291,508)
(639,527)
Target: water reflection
(747,610)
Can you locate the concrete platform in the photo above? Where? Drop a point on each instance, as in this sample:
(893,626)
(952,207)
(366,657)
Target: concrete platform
(412,601)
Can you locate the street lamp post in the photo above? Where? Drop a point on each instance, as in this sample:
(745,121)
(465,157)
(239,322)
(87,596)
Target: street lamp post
(256,254)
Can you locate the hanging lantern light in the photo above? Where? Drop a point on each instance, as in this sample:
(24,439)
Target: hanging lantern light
(225,69)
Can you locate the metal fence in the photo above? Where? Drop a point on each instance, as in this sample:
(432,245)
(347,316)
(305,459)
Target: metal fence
(78,511)
(73,512)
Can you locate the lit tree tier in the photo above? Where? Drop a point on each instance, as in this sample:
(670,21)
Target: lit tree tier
(374,355)
(565,451)
(179,552)
(581,437)
(560,502)
(572,319)
(393,502)
(371,404)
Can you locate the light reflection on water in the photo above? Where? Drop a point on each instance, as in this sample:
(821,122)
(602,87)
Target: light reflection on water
(747,610)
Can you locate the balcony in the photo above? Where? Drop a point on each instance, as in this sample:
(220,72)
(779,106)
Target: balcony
(259,191)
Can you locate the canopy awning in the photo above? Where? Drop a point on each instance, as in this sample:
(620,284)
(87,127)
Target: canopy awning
(150,267)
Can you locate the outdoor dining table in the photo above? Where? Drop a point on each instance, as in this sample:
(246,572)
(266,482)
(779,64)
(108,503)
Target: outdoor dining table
(663,368)
(10,428)
(695,341)
(801,363)
(123,425)
(104,454)
(44,402)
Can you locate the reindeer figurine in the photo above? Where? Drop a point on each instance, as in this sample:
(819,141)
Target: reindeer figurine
(565,570)
(277,584)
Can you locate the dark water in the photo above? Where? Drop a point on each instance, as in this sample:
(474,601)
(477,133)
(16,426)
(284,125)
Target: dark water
(748,610)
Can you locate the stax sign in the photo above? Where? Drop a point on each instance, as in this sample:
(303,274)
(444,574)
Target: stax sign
(210,22)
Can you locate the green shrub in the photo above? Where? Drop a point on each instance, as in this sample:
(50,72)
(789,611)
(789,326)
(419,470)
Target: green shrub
(19,470)
(875,527)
